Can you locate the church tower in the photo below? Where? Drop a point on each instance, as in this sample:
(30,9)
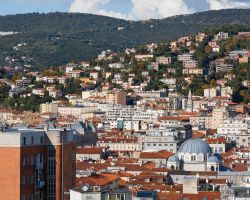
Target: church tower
(189,107)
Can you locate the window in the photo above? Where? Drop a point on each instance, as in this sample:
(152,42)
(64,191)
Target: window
(23,180)
(120,197)
(51,167)
(41,140)
(193,158)
(51,151)
(32,160)
(24,161)
(24,141)
(32,140)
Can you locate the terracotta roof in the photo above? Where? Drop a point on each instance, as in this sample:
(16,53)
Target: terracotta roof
(211,131)
(198,134)
(98,179)
(170,195)
(240,167)
(91,166)
(156,155)
(216,141)
(92,150)
(122,183)
(125,174)
(202,195)
(218,181)
(175,118)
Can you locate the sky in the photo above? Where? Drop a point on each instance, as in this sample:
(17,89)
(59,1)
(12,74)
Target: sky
(125,9)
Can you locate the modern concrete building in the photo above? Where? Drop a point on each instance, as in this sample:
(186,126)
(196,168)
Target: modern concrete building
(36,164)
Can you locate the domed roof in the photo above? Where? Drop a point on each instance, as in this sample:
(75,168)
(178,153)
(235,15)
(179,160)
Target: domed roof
(213,159)
(173,158)
(195,145)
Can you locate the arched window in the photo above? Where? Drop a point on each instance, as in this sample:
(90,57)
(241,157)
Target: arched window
(193,157)
(212,168)
(205,157)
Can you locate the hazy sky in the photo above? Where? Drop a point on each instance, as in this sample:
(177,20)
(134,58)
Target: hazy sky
(127,9)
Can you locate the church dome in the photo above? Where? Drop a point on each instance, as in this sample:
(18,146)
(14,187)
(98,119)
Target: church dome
(173,158)
(195,145)
(212,159)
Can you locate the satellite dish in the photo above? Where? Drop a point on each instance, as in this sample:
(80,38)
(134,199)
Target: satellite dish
(85,187)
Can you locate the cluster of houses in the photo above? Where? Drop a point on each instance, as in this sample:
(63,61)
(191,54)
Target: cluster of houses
(137,144)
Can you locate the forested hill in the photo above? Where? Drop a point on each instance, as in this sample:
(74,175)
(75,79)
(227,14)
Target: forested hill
(57,38)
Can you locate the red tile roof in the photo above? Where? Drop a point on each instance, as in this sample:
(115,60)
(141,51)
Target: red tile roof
(98,179)
(216,141)
(156,155)
(88,150)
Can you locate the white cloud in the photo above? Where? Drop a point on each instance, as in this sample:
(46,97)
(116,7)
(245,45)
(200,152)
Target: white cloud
(88,6)
(226,4)
(141,9)
(145,9)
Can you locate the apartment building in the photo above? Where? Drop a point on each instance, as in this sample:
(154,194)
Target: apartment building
(243,139)
(185,57)
(221,36)
(71,111)
(211,92)
(37,164)
(224,68)
(190,64)
(145,115)
(120,144)
(231,127)
(192,71)
(218,116)
(164,138)
(164,60)
(116,97)
(128,125)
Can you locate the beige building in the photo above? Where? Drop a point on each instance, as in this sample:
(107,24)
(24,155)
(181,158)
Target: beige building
(163,60)
(49,108)
(218,116)
(193,71)
(116,97)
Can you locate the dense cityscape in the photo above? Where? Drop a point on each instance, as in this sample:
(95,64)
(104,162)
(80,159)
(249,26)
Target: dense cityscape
(159,121)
